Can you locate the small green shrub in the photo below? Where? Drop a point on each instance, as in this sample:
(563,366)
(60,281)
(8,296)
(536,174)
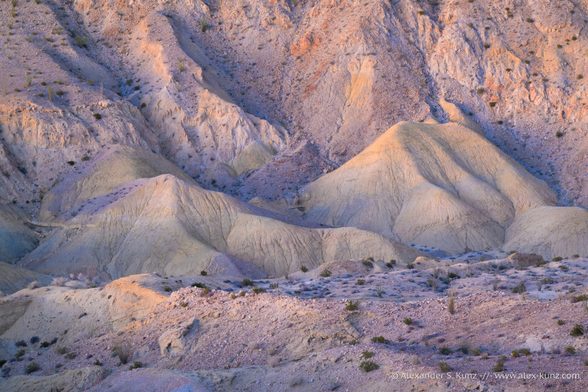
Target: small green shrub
(303,268)
(380,339)
(350,305)
(368,263)
(360,282)
(203,273)
(407,320)
(492,104)
(97,116)
(557,258)
(59,92)
(258,290)
(444,367)
(525,351)
(183,304)
(368,366)
(166,289)
(529,20)
(519,289)
(560,322)
(326,273)
(558,134)
(499,367)
(31,368)
(45,344)
(19,354)
(445,350)
(136,365)
(367,354)
(97,363)
(570,350)
(61,350)
(578,330)
(71,355)
(85,158)
(205,292)
(80,41)
(575,256)
(476,352)
(515,354)
(481,90)
(247,282)
(122,351)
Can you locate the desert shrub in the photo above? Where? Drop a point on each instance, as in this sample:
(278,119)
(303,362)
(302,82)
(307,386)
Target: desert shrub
(59,92)
(451,303)
(199,285)
(350,305)
(529,20)
(183,304)
(258,290)
(71,355)
(415,360)
(71,163)
(353,342)
(122,351)
(433,283)
(515,354)
(579,298)
(445,350)
(519,289)
(578,330)
(205,292)
(247,282)
(558,258)
(166,289)
(181,65)
(2,362)
(444,367)
(61,350)
(410,266)
(326,273)
(380,291)
(360,282)
(499,367)
(19,354)
(31,368)
(85,158)
(34,339)
(45,344)
(380,339)
(547,280)
(368,263)
(203,25)
(367,354)
(560,322)
(97,363)
(136,365)
(80,41)
(481,90)
(570,350)
(20,343)
(97,116)
(368,366)
(303,268)
(492,104)
(233,296)
(407,320)
(563,268)
(476,352)
(484,356)
(525,351)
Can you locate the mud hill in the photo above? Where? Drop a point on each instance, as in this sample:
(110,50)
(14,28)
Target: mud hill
(445,186)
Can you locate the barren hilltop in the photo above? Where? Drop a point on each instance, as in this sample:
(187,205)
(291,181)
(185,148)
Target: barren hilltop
(293,195)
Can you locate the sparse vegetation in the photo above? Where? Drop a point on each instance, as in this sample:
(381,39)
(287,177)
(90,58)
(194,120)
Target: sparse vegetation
(97,116)
(181,65)
(444,367)
(71,355)
(520,288)
(247,282)
(31,368)
(136,365)
(19,354)
(61,350)
(326,273)
(166,289)
(445,350)
(122,351)
(499,367)
(303,268)
(350,305)
(380,339)
(570,350)
(183,304)
(451,303)
(560,322)
(97,363)
(360,282)
(80,41)
(203,25)
(368,366)
(578,330)
(258,290)
(407,321)
(203,273)
(367,354)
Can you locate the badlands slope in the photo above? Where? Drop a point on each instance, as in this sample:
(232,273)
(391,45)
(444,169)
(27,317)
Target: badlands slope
(446,186)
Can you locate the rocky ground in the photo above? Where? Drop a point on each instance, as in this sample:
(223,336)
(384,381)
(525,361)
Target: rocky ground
(313,332)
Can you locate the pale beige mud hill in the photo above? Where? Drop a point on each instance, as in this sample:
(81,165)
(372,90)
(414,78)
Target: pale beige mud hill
(169,225)
(13,278)
(114,166)
(444,186)
(16,239)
